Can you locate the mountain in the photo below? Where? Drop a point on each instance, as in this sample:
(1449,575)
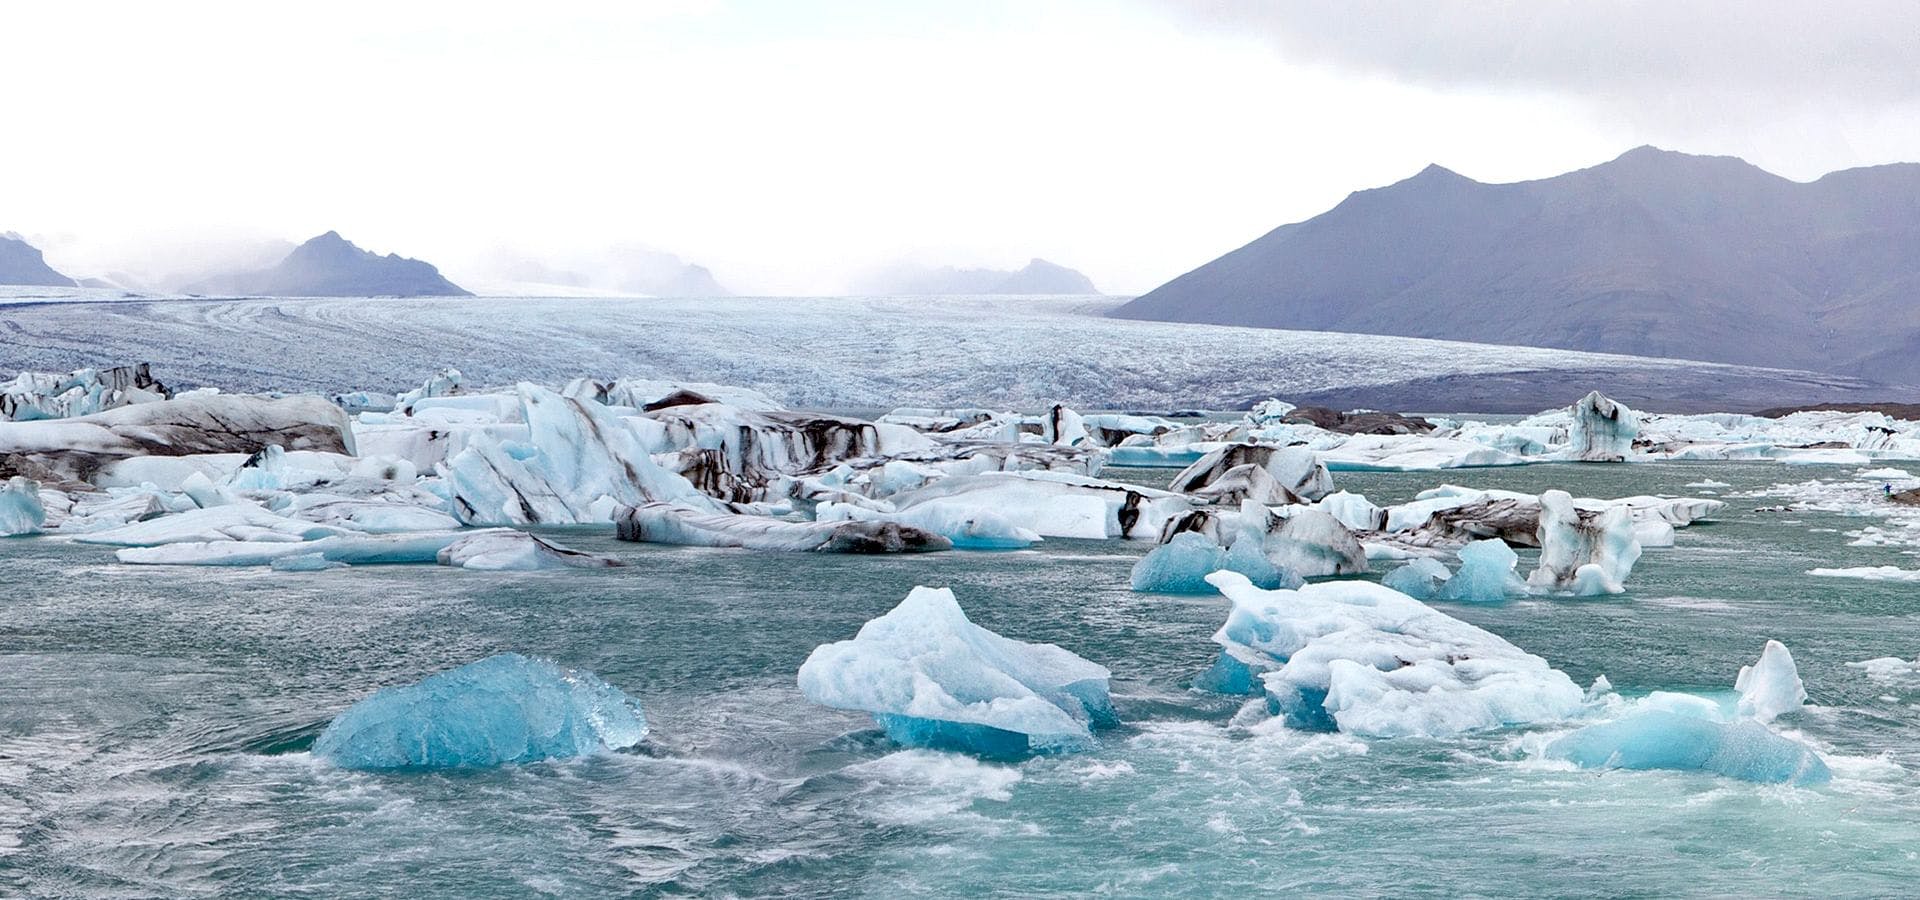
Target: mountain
(20,263)
(1038,277)
(331,266)
(1655,253)
(626,270)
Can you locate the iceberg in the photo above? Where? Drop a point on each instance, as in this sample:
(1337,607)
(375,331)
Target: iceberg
(1770,687)
(46,395)
(501,710)
(578,465)
(967,529)
(1181,566)
(1050,504)
(516,551)
(1602,430)
(931,678)
(1421,578)
(1311,544)
(1585,555)
(21,511)
(350,548)
(1296,471)
(665,523)
(1486,574)
(1690,742)
(305,562)
(1357,657)
(239,522)
(187,425)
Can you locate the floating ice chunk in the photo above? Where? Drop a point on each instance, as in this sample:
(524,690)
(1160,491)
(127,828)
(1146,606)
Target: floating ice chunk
(1311,544)
(501,710)
(1052,504)
(1420,578)
(1670,739)
(1584,555)
(931,678)
(351,548)
(388,515)
(241,522)
(1296,470)
(207,495)
(1887,474)
(664,523)
(967,529)
(1870,573)
(21,511)
(1353,511)
(186,425)
(1486,574)
(1770,687)
(1887,668)
(443,383)
(518,551)
(1602,430)
(1362,658)
(1708,483)
(306,562)
(1181,565)
(1653,533)
(578,465)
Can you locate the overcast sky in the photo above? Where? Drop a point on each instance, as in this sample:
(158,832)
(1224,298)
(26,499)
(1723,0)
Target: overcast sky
(789,146)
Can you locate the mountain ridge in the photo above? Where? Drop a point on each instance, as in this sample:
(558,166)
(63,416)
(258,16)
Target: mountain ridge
(1653,253)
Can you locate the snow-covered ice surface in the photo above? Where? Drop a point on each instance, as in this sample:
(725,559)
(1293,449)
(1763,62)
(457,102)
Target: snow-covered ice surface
(156,725)
(821,353)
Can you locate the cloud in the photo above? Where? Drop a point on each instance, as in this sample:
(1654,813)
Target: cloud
(1654,60)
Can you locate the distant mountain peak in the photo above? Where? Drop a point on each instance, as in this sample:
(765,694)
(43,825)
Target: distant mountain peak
(329,265)
(1653,253)
(1038,276)
(21,263)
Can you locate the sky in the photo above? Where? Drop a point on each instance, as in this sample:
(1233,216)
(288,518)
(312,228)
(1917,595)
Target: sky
(793,146)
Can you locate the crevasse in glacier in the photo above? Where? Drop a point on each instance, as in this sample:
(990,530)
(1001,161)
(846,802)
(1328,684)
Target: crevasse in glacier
(931,678)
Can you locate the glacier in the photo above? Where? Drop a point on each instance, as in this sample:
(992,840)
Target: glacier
(931,678)
(501,710)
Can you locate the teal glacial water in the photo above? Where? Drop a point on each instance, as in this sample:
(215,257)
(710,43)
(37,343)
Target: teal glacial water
(154,726)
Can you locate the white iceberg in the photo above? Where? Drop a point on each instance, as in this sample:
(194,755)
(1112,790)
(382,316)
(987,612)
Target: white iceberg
(1770,687)
(665,523)
(1583,555)
(1361,658)
(1602,430)
(931,678)
(21,511)
(500,550)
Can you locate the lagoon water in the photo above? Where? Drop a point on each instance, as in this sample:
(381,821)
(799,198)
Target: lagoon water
(154,725)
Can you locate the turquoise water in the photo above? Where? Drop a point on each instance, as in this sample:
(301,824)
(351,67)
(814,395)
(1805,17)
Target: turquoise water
(153,727)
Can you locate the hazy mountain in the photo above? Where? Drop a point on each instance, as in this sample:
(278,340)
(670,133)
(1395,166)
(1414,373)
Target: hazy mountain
(1654,253)
(21,263)
(620,271)
(1038,277)
(331,266)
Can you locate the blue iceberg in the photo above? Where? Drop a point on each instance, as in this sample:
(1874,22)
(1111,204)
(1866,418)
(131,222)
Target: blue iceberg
(1670,739)
(1486,574)
(931,678)
(1181,565)
(503,709)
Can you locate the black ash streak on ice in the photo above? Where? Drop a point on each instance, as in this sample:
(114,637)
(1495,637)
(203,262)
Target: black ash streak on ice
(847,353)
